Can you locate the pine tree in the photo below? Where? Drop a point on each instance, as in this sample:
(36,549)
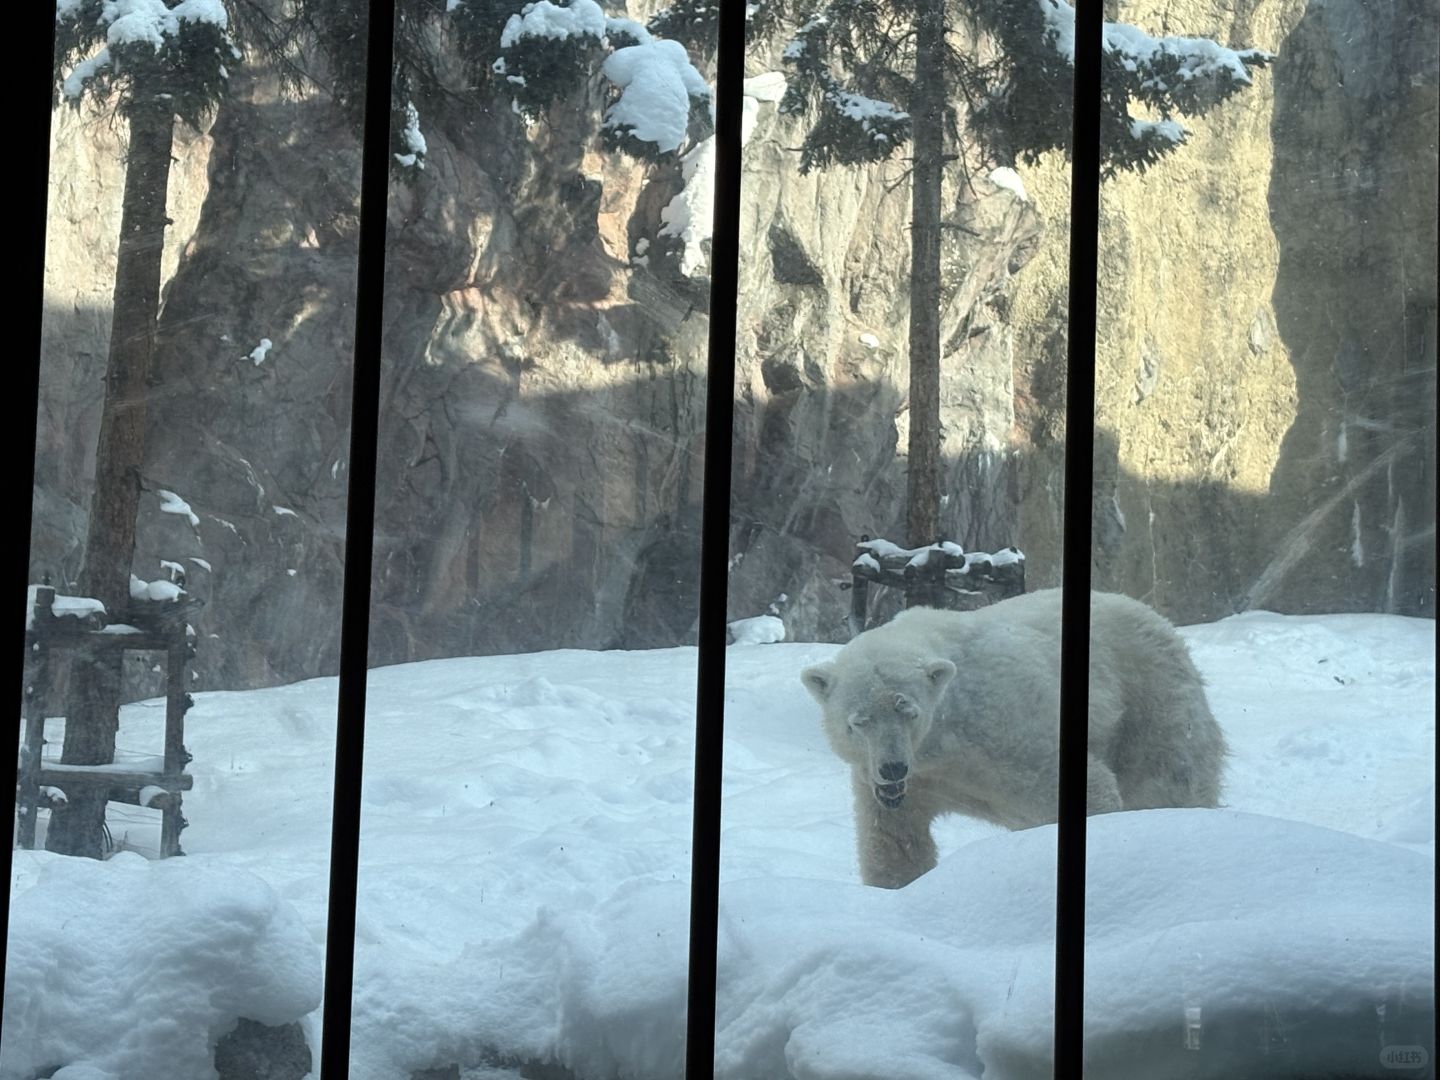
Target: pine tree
(526,55)
(657,97)
(872,75)
(152,63)
(332,34)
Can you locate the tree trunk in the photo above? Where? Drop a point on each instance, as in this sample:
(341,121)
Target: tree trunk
(93,695)
(927,118)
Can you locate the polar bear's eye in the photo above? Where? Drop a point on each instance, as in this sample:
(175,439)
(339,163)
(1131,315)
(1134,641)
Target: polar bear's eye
(857,721)
(905,707)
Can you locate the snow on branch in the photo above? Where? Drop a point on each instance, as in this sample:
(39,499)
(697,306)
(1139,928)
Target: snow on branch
(1157,132)
(1190,58)
(542,19)
(185,44)
(1023,100)
(696,23)
(658,88)
(150,21)
(852,129)
(622,32)
(549,50)
(853,124)
(1187,75)
(809,40)
(878,119)
(84,72)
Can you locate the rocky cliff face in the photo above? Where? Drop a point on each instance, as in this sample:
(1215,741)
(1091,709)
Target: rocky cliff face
(1265,412)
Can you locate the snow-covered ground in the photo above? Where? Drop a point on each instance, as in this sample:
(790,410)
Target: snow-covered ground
(525,859)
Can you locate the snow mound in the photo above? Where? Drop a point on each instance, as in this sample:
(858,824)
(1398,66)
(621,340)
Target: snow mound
(954,976)
(130,968)
(526,859)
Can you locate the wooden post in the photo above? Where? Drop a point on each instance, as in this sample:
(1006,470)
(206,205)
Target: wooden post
(859,596)
(859,601)
(177,701)
(37,693)
(925,584)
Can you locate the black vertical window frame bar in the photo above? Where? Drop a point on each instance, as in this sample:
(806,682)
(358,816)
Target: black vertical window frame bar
(36,79)
(1075,604)
(34,83)
(715,547)
(359,546)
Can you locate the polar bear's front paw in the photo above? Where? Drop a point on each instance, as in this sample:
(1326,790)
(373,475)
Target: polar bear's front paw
(890,795)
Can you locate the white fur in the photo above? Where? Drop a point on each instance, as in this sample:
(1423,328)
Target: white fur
(966,705)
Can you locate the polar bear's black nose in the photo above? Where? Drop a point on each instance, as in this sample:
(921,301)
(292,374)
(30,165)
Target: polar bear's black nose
(893,771)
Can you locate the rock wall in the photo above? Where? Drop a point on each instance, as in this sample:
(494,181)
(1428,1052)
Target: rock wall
(1265,391)
(1266,386)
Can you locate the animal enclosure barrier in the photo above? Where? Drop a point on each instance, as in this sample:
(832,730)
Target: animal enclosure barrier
(70,624)
(940,575)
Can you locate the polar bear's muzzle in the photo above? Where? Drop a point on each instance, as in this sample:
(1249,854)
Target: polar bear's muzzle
(890,795)
(890,784)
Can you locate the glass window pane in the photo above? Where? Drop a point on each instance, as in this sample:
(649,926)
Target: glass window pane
(1265,477)
(888,887)
(526,811)
(190,481)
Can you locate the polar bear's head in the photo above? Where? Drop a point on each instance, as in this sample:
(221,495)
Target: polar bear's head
(876,710)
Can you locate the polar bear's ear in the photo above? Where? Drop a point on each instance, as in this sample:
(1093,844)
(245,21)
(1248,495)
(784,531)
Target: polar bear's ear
(819,680)
(939,673)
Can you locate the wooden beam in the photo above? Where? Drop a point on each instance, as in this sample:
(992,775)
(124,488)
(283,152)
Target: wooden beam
(99,641)
(63,776)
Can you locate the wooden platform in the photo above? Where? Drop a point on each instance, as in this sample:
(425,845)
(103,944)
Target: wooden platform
(937,575)
(146,626)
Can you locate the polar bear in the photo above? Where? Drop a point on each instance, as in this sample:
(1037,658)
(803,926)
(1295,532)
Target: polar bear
(943,712)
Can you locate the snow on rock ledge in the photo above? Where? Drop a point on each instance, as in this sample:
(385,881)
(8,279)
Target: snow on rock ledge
(131,968)
(760,630)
